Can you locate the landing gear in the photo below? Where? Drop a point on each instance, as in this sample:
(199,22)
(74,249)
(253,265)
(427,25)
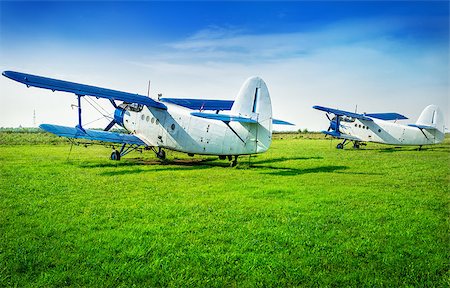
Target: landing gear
(341,145)
(356,145)
(222,157)
(115,155)
(161,154)
(234,163)
(124,150)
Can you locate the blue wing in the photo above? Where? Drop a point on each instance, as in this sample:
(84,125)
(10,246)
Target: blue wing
(387,116)
(337,134)
(200,104)
(381,116)
(338,112)
(72,132)
(81,89)
(225,118)
(422,126)
(281,122)
(228,118)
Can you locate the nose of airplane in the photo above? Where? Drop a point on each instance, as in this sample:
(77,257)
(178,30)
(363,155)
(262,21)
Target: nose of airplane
(118,116)
(333,125)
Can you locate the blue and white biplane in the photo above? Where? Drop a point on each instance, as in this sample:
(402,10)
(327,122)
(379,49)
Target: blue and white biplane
(194,126)
(377,127)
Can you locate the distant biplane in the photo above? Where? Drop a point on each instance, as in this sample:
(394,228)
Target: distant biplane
(376,127)
(195,126)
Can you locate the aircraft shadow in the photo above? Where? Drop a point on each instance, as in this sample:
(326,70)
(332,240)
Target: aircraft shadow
(410,149)
(277,160)
(284,171)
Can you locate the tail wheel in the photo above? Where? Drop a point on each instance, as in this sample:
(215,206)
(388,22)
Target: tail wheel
(161,154)
(115,155)
(340,146)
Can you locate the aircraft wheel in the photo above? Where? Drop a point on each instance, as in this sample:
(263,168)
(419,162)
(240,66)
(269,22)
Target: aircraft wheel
(115,155)
(222,157)
(234,163)
(356,145)
(340,146)
(161,154)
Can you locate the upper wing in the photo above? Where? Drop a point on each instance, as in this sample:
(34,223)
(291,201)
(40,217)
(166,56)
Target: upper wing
(200,104)
(338,112)
(81,89)
(387,116)
(73,132)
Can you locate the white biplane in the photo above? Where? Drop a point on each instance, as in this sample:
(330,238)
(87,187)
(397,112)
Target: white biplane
(377,127)
(194,126)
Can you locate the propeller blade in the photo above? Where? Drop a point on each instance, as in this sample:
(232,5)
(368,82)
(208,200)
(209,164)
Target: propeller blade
(110,125)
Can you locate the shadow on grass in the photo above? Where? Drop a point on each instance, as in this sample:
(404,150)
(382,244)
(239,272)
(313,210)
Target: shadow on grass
(194,163)
(133,165)
(280,159)
(281,171)
(424,149)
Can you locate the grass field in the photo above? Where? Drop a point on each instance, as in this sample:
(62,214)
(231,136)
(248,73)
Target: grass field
(302,214)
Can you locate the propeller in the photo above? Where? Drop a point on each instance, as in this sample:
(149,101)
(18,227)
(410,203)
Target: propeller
(110,125)
(334,123)
(118,116)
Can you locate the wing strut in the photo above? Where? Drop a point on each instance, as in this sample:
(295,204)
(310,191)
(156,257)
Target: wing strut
(80,126)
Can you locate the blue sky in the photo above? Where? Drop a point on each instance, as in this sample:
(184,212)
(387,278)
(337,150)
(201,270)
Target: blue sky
(381,56)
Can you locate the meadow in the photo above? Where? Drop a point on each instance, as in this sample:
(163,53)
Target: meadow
(302,214)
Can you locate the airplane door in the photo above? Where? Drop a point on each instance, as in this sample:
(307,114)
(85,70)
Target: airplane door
(160,120)
(402,136)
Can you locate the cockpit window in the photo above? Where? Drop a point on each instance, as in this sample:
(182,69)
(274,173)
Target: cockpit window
(135,107)
(347,119)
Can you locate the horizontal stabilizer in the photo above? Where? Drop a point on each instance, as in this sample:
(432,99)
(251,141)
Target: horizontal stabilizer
(281,122)
(422,126)
(387,116)
(73,132)
(81,89)
(200,104)
(338,112)
(223,117)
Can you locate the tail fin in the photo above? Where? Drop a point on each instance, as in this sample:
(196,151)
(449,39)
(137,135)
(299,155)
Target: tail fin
(253,100)
(432,116)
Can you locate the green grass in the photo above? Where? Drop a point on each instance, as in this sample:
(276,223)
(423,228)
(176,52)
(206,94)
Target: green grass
(302,214)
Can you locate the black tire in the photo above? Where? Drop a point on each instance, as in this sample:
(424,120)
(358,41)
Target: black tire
(161,154)
(340,146)
(115,155)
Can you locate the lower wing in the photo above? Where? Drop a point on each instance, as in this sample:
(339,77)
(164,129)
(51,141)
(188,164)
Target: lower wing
(341,136)
(74,132)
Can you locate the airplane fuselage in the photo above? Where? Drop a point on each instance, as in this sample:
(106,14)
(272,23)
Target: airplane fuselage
(176,129)
(386,132)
